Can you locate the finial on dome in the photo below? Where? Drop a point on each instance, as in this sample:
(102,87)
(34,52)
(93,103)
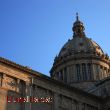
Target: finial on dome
(77,17)
(78,27)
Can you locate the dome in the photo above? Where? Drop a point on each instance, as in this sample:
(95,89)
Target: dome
(80,45)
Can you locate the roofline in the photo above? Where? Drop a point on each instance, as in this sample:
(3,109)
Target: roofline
(45,77)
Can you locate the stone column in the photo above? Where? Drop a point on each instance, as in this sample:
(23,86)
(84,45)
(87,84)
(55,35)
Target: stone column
(73,105)
(102,70)
(27,94)
(3,80)
(74,73)
(109,72)
(56,101)
(93,72)
(17,85)
(106,73)
(98,72)
(87,74)
(70,74)
(68,71)
(80,106)
(63,73)
(81,75)
(100,107)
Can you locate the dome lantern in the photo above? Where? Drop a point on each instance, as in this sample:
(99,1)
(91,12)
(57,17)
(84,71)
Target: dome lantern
(78,27)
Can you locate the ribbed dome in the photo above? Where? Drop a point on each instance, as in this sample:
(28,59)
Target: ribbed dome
(80,44)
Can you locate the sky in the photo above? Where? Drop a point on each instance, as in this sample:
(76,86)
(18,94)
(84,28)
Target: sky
(32,32)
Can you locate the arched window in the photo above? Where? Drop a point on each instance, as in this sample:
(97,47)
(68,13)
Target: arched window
(78,74)
(84,73)
(89,71)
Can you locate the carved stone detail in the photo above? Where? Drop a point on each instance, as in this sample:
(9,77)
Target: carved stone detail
(9,82)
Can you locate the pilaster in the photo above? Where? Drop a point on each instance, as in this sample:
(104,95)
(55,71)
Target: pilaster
(27,94)
(56,101)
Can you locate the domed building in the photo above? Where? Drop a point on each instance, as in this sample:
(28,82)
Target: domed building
(80,79)
(81,62)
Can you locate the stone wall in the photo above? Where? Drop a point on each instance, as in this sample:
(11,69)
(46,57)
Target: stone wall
(17,83)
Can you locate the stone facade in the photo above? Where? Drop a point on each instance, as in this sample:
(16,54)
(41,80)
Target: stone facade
(18,81)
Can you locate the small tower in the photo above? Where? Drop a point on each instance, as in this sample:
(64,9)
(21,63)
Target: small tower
(78,28)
